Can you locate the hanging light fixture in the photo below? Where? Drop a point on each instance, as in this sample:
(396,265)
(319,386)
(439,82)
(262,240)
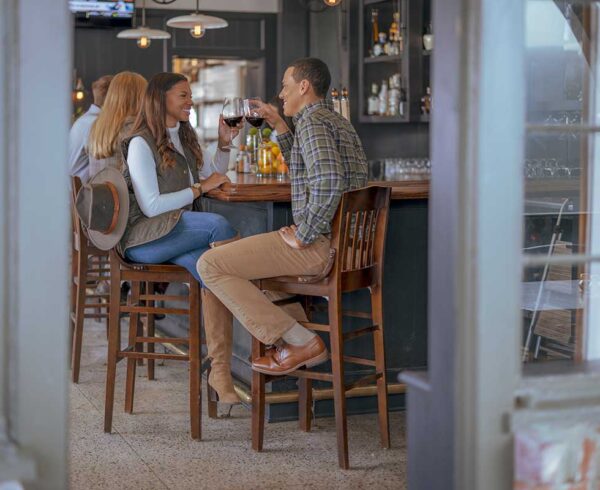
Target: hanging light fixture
(143,34)
(332,3)
(197,23)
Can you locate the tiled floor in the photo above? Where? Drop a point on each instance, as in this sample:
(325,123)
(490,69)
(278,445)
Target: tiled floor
(151,449)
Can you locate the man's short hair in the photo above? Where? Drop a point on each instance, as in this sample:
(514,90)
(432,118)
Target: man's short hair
(315,71)
(100,88)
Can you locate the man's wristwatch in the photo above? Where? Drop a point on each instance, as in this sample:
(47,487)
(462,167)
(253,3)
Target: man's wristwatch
(198,186)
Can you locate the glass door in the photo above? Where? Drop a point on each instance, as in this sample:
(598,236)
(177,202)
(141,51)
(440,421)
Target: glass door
(556,423)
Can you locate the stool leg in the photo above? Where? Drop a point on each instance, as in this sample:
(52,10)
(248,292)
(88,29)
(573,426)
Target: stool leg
(73,303)
(378,342)
(337,365)
(195,361)
(304,404)
(82,267)
(258,399)
(113,341)
(140,361)
(134,330)
(150,328)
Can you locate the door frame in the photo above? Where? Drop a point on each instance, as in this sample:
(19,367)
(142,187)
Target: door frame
(35,103)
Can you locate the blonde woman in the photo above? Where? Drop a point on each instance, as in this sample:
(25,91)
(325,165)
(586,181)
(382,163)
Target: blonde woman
(121,106)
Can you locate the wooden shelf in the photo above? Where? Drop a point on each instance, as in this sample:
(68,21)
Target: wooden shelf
(372,2)
(383,59)
(412,63)
(383,119)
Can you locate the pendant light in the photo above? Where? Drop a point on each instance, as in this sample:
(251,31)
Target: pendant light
(332,3)
(143,34)
(197,23)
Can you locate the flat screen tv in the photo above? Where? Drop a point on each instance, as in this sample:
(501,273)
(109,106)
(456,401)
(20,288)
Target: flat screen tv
(103,12)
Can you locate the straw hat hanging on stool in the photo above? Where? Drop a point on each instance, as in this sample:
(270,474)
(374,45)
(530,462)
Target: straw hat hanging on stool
(103,207)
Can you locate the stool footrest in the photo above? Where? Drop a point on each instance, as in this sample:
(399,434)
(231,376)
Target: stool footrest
(163,297)
(350,313)
(90,315)
(359,360)
(127,353)
(317,327)
(154,310)
(364,381)
(304,373)
(162,340)
(360,332)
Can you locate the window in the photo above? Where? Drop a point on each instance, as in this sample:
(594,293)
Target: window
(561,250)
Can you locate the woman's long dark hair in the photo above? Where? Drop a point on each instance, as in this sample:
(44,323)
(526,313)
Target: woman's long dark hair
(152,117)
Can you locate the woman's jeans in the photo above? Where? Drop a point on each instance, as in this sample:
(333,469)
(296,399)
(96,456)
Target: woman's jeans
(186,242)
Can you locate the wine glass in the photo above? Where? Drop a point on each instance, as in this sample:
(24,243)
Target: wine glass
(252,115)
(233,113)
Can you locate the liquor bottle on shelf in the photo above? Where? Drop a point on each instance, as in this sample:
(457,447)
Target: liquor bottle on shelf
(374,30)
(428,39)
(402,106)
(379,49)
(383,99)
(394,95)
(345,104)
(426,102)
(335,100)
(373,101)
(395,36)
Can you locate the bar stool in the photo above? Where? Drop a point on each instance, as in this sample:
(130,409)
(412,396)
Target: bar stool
(89,266)
(356,262)
(143,302)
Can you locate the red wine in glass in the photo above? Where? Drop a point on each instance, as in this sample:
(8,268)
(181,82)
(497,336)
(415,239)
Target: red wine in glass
(233,113)
(232,122)
(255,121)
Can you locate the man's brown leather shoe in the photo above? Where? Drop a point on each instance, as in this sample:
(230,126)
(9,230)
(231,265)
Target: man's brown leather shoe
(287,358)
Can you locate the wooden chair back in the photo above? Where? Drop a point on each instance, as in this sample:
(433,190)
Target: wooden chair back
(77,228)
(359,231)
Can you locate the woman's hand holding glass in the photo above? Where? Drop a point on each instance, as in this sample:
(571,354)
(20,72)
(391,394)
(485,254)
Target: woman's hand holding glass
(233,115)
(227,133)
(214,181)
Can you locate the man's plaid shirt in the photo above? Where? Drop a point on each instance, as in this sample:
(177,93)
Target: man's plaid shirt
(326,159)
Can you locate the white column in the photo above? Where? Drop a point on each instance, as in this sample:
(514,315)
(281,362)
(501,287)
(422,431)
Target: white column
(491,208)
(35,86)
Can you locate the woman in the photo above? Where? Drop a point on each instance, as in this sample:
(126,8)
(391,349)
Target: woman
(122,104)
(167,173)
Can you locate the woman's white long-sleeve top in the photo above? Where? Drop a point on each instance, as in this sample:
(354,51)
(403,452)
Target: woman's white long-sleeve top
(142,170)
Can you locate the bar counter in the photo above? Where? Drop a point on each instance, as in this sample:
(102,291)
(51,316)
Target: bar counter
(250,188)
(258,205)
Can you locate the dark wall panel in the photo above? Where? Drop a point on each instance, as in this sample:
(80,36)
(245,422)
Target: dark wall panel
(97,51)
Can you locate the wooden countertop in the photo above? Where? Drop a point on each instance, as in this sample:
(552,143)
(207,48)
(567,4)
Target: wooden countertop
(248,187)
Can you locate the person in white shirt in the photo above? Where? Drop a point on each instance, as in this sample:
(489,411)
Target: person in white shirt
(80,131)
(167,173)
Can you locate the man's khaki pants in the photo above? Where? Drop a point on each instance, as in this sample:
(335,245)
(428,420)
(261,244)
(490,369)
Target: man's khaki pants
(228,271)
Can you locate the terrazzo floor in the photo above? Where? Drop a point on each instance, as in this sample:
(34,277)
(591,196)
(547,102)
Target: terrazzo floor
(151,449)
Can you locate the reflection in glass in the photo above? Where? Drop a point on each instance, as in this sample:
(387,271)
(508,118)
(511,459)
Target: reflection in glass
(561,171)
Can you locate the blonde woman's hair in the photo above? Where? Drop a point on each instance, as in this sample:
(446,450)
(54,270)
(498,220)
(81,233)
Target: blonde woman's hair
(123,101)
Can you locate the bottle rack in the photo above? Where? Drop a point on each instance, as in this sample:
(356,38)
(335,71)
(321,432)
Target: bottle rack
(412,63)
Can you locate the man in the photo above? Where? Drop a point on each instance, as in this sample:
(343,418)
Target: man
(326,159)
(78,136)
